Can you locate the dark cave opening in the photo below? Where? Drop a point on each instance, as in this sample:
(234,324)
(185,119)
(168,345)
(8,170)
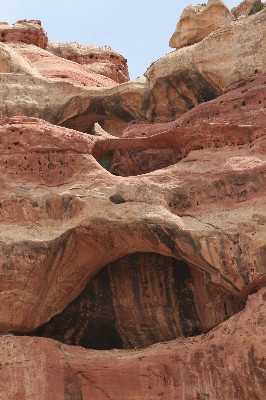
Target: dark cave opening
(136,162)
(139,300)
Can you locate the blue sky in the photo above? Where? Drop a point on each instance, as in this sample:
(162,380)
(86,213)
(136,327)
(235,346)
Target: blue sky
(138,29)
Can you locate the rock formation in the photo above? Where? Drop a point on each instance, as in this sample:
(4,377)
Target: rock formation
(24,31)
(226,363)
(139,300)
(248,7)
(247,95)
(197,22)
(153,237)
(171,86)
(102,60)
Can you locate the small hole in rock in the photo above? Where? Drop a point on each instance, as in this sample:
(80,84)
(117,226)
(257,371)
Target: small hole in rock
(117,199)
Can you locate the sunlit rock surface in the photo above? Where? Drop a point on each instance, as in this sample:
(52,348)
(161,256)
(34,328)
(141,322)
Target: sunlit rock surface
(173,85)
(197,22)
(133,215)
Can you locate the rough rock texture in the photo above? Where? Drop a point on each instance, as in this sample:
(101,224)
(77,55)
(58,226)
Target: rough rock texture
(93,254)
(140,300)
(24,31)
(66,206)
(102,60)
(173,85)
(242,103)
(248,7)
(197,22)
(227,363)
(51,66)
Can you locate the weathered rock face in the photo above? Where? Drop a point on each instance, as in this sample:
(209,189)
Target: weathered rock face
(136,162)
(248,7)
(68,205)
(197,22)
(139,300)
(243,103)
(173,85)
(24,31)
(226,363)
(51,66)
(102,60)
(248,96)
(108,259)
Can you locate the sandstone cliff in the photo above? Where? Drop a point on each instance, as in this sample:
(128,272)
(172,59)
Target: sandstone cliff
(140,238)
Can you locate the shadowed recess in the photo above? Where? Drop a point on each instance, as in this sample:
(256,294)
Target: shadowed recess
(141,299)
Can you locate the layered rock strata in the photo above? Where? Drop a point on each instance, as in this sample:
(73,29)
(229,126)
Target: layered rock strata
(102,60)
(189,211)
(51,66)
(119,243)
(240,104)
(173,85)
(226,363)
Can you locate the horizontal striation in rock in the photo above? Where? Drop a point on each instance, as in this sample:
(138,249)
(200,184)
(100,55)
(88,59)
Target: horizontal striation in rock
(226,363)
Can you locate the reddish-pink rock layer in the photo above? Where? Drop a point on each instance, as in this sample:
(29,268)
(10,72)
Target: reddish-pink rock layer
(101,60)
(52,66)
(248,96)
(243,103)
(227,363)
(207,210)
(24,31)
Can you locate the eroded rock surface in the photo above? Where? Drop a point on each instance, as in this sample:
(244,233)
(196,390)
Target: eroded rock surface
(64,208)
(172,86)
(139,300)
(120,242)
(197,22)
(24,31)
(102,60)
(226,363)
(248,7)
(243,103)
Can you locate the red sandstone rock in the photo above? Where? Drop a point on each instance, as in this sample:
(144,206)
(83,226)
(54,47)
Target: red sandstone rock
(203,210)
(184,245)
(102,60)
(51,66)
(247,95)
(242,103)
(172,85)
(24,31)
(227,363)
(139,300)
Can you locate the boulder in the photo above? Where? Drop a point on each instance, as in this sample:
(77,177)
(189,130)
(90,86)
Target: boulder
(197,22)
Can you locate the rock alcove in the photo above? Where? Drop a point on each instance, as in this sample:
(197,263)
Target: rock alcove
(139,300)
